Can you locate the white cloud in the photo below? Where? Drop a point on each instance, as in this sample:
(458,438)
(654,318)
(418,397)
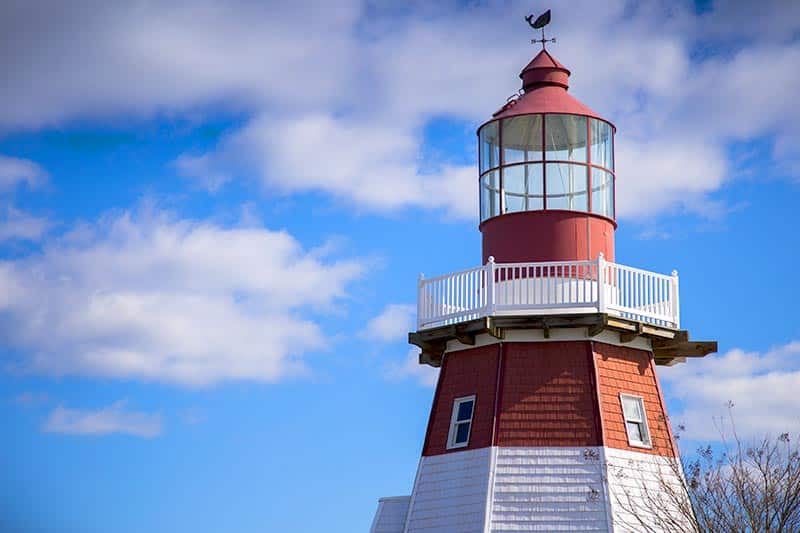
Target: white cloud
(150,297)
(106,421)
(392,324)
(410,368)
(28,399)
(15,171)
(16,224)
(762,387)
(336,97)
(146,58)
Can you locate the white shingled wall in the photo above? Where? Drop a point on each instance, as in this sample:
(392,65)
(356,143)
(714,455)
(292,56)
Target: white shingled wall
(649,487)
(391,515)
(450,493)
(548,489)
(537,489)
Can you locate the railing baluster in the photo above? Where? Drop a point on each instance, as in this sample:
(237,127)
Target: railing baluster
(526,287)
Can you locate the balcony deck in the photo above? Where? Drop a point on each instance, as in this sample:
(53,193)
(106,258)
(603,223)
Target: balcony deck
(594,295)
(546,289)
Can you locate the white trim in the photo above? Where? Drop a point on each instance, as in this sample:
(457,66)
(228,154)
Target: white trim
(487,522)
(454,423)
(626,417)
(413,495)
(377,517)
(603,451)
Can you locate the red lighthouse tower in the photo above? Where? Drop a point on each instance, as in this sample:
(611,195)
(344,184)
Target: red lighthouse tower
(548,404)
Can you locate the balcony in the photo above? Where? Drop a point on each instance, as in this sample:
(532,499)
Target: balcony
(550,288)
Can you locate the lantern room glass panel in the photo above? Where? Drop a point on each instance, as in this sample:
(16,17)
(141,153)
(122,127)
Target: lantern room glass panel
(489,147)
(602,193)
(566,187)
(565,138)
(523,187)
(602,144)
(490,195)
(522,139)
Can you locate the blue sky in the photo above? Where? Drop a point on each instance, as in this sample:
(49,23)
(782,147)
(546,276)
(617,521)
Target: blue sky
(212,220)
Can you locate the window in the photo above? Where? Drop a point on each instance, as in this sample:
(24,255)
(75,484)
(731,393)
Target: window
(568,157)
(522,139)
(461,422)
(602,193)
(635,420)
(566,187)
(565,138)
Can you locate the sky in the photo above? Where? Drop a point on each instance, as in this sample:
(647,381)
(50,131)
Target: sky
(213,217)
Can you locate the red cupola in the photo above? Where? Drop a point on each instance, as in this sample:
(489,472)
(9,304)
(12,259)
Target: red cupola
(546,173)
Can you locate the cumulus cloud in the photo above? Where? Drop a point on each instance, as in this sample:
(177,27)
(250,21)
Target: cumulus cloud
(151,297)
(106,421)
(336,98)
(15,171)
(410,369)
(392,324)
(762,387)
(16,224)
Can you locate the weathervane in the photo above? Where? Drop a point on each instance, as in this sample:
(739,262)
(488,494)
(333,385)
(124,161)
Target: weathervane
(539,24)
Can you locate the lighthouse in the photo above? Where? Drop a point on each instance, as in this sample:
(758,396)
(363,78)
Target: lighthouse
(547,414)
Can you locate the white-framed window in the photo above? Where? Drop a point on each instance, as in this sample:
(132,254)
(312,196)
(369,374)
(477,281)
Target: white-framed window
(635,420)
(461,422)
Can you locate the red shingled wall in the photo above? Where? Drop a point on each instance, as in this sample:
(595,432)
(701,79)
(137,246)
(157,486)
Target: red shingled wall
(628,370)
(464,373)
(548,395)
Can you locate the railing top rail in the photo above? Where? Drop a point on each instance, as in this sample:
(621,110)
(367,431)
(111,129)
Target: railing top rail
(552,264)
(638,270)
(516,290)
(546,264)
(451,274)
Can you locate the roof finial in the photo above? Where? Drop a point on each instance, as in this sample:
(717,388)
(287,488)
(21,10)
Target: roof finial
(539,24)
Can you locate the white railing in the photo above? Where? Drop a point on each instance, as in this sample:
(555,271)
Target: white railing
(557,287)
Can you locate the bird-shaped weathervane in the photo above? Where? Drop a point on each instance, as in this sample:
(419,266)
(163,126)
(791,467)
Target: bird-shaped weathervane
(539,24)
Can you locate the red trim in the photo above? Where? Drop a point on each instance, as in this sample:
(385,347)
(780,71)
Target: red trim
(498,391)
(501,158)
(543,113)
(541,211)
(435,405)
(542,161)
(544,164)
(663,405)
(598,408)
(589,165)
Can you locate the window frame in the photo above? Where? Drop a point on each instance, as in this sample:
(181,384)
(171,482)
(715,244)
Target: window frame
(530,202)
(454,423)
(648,442)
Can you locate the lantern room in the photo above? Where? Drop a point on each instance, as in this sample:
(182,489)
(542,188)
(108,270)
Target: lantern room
(546,165)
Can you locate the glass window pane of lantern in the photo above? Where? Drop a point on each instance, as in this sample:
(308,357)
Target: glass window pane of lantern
(522,139)
(602,193)
(566,187)
(565,138)
(602,144)
(490,195)
(489,147)
(514,188)
(523,187)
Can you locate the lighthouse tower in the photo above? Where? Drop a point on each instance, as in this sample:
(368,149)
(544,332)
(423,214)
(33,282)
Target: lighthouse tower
(547,415)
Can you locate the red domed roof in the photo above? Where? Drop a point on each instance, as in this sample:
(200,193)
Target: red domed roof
(545,82)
